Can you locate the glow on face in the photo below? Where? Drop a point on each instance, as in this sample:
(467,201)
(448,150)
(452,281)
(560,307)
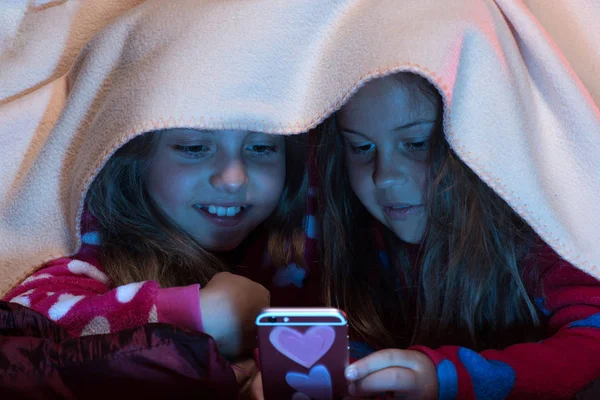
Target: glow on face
(217,186)
(387,127)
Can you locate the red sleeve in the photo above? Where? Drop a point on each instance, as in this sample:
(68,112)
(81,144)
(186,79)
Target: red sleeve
(77,295)
(555,368)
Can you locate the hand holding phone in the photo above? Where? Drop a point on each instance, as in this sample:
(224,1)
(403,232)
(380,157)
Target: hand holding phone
(229,305)
(303,353)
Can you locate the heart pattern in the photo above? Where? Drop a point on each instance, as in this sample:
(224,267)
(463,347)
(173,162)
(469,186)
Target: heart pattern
(316,385)
(300,396)
(491,379)
(289,275)
(303,348)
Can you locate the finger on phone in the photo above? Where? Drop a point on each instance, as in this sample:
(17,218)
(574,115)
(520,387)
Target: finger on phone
(376,361)
(392,379)
(256,388)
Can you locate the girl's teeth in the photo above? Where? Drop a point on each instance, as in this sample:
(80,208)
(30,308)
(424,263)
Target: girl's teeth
(224,211)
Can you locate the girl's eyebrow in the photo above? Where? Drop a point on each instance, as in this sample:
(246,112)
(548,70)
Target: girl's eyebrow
(190,134)
(261,134)
(350,131)
(397,129)
(414,123)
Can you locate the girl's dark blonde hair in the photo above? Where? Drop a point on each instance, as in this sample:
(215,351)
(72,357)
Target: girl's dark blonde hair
(139,242)
(469,279)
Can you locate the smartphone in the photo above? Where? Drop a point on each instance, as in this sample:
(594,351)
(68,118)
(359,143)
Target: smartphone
(303,353)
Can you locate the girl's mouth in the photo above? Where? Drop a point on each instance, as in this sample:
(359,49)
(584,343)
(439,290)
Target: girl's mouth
(221,211)
(403,212)
(223,216)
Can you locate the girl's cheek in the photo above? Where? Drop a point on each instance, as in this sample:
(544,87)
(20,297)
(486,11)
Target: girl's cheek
(361,179)
(267,182)
(423,178)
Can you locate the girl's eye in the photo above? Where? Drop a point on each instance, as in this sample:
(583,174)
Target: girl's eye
(362,149)
(191,151)
(262,149)
(417,146)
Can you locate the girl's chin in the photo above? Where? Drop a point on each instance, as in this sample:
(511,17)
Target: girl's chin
(409,237)
(410,240)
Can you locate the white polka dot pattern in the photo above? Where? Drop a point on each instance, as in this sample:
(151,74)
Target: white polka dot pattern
(97,326)
(127,292)
(63,306)
(22,300)
(78,267)
(153,315)
(36,277)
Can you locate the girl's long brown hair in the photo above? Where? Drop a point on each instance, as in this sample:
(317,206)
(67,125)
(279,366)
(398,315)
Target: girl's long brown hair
(468,286)
(139,242)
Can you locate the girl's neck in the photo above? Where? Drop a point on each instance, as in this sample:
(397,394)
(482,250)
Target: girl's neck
(412,248)
(236,257)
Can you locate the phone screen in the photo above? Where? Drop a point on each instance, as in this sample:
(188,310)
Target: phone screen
(303,353)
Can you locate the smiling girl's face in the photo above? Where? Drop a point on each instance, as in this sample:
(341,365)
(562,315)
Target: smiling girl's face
(387,127)
(217,186)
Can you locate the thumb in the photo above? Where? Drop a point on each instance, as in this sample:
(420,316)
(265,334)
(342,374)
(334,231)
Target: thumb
(244,370)
(256,388)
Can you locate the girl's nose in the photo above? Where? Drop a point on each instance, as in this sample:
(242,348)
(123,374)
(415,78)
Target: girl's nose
(389,172)
(231,177)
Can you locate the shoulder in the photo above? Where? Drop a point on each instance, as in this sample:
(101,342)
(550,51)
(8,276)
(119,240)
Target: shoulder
(543,264)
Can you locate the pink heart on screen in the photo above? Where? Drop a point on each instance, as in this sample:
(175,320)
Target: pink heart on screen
(316,385)
(303,348)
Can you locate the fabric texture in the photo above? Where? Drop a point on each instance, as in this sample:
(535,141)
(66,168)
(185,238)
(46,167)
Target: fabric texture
(39,41)
(494,64)
(569,304)
(573,29)
(39,360)
(76,293)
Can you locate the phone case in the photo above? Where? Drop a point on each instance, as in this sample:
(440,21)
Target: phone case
(303,353)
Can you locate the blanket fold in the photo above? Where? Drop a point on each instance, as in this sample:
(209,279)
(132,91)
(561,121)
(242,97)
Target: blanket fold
(515,109)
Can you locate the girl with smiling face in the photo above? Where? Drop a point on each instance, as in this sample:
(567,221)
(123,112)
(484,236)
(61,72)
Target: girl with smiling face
(167,215)
(446,288)
(217,187)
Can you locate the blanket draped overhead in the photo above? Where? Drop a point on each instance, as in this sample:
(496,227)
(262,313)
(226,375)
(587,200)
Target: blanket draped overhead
(516,110)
